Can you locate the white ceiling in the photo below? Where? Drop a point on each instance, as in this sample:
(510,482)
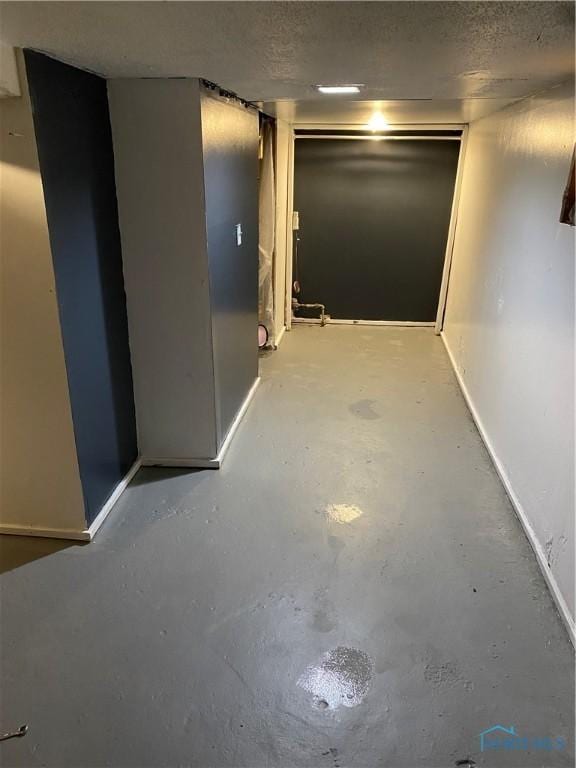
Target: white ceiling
(468,57)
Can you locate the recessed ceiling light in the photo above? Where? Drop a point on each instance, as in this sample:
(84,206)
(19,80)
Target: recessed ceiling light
(339,88)
(378,123)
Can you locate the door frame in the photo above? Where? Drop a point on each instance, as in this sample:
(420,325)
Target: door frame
(443,296)
(463,139)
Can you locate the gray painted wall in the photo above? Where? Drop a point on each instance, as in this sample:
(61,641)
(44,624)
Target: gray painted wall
(159,178)
(230,149)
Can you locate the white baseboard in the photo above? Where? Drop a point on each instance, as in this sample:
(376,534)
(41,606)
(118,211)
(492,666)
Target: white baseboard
(112,499)
(44,533)
(166,461)
(214,463)
(88,533)
(517,505)
(401,323)
(334,321)
(76,535)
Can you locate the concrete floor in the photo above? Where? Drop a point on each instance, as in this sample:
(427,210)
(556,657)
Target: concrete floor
(351,589)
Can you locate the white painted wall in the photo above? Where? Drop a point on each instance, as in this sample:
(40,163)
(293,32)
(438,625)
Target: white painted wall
(9,79)
(40,489)
(283,202)
(160,187)
(509,320)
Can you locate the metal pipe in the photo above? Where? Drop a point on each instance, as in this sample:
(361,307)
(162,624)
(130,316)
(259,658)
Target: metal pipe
(322,307)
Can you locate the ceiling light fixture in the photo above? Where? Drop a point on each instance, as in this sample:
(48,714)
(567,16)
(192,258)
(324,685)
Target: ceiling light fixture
(339,88)
(378,123)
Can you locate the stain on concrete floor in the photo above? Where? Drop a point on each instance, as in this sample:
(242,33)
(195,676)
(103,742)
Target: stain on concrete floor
(177,638)
(364,409)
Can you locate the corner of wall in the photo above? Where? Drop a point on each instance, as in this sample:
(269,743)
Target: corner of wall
(41,489)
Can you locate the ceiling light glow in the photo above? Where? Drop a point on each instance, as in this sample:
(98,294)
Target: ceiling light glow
(378,123)
(339,88)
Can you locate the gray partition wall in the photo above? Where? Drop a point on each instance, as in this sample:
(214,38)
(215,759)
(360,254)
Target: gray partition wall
(186,175)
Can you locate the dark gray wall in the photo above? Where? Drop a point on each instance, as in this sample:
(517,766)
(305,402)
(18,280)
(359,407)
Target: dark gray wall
(374,218)
(77,166)
(230,146)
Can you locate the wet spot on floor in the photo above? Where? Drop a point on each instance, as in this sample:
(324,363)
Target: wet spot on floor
(364,409)
(343,513)
(336,543)
(341,678)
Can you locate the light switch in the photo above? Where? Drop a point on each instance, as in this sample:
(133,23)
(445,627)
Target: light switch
(238,234)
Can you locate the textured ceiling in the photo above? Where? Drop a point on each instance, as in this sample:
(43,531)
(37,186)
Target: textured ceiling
(271,51)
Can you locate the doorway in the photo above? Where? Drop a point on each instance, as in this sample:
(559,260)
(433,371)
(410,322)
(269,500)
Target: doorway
(374,216)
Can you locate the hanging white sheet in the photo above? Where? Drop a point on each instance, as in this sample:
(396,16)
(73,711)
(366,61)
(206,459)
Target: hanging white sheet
(267,209)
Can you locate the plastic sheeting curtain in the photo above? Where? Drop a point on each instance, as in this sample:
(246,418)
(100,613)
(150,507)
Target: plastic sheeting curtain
(266,221)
